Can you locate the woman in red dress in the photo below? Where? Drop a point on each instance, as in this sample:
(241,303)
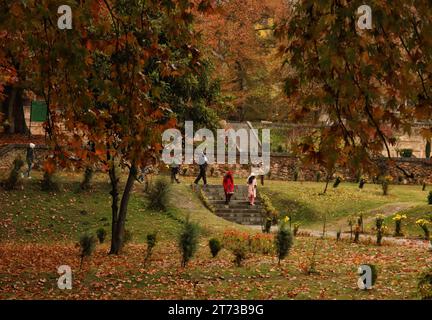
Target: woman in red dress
(228,185)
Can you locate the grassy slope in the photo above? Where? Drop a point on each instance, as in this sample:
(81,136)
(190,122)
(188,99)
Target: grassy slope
(304,201)
(33,215)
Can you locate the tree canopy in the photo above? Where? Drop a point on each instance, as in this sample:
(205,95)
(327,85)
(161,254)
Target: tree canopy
(365,85)
(126,71)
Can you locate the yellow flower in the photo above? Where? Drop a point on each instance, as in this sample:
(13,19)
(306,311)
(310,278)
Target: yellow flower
(399,217)
(286,219)
(380,216)
(422,222)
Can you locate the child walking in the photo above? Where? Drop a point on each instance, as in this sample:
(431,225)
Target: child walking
(252,186)
(228,185)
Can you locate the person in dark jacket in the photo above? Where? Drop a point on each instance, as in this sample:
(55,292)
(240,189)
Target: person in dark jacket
(203,163)
(175,170)
(30,158)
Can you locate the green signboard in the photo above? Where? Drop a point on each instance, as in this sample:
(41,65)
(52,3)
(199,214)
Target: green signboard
(38,111)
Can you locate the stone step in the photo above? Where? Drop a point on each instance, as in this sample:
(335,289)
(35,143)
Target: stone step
(234,203)
(236,207)
(219,194)
(244,220)
(257,219)
(233,198)
(239,210)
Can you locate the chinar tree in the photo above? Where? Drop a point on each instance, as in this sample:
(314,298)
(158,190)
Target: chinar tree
(110,82)
(360,87)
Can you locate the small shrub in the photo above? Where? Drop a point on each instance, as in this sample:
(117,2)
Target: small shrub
(379,223)
(296,228)
(357,233)
(406,153)
(158,195)
(101,234)
(311,268)
(87,244)
(398,218)
(360,221)
(240,254)
(270,213)
(296,174)
(425,285)
(424,185)
(14,175)
(48,183)
(318,176)
(188,241)
(88,175)
(151,240)
(424,225)
(283,241)
(127,236)
(215,247)
(385,185)
(428,149)
(280,148)
(430,198)
(351,224)
(337,182)
(267,225)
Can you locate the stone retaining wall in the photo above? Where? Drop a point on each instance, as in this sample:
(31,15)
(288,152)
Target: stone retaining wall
(283,167)
(8,153)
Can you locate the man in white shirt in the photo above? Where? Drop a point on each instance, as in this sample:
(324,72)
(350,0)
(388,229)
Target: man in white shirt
(202,162)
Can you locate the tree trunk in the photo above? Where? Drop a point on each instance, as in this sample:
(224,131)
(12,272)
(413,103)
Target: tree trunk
(10,103)
(114,205)
(327,183)
(13,109)
(118,231)
(20,125)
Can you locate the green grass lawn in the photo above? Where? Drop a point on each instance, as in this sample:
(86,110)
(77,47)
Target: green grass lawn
(306,203)
(33,215)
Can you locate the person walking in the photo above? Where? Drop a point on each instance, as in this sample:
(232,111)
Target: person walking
(252,186)
(203,163)
(175,170)
(228,185)
(30,158)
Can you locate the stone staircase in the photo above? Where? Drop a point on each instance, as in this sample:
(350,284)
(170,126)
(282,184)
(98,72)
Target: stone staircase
(238,210)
